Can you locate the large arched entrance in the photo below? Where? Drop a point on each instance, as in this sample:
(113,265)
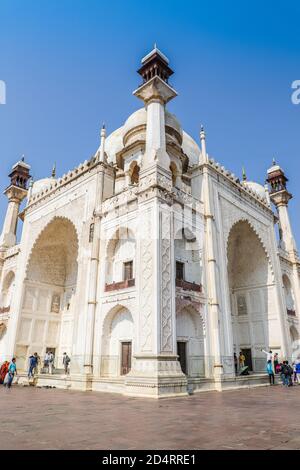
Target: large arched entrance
(252,294)
(49,290)
(5,301)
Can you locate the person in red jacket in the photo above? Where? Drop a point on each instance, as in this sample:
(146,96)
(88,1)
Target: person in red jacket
(3,371)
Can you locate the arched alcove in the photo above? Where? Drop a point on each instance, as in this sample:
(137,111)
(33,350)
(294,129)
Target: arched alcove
(252,293)
(190,341)
(188,259)
(289,295)
(49,292)
(7,291)
(121,257)
(117,342)
(134,172)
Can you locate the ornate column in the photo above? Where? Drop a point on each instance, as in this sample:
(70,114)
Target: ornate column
(155,369)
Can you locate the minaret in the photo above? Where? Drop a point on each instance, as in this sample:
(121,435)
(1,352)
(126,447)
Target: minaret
(102,144)
(203,144)
(155,93)
(280,197)
(16,192)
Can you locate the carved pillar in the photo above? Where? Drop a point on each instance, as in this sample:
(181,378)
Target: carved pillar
(155,370)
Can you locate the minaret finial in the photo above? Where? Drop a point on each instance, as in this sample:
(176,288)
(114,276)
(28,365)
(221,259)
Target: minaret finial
(102,143)
(274,161)
(53,174)
(203,144)
(244,174)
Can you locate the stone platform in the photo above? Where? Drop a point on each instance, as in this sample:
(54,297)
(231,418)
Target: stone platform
(39,418)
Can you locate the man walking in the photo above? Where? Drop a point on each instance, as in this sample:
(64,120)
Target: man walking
(66,362)
(32,366)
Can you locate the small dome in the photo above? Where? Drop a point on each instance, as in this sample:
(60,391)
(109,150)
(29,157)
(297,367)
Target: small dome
(136,119)
(173,126)
(190,148)
(256,187)
(41,185)
(113,144)
(273,168)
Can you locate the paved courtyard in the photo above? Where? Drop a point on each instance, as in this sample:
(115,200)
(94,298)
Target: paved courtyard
(261,418)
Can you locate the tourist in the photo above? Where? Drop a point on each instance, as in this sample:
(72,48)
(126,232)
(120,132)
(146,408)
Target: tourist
(66,362)
(32,366)
(46,361)
(3,371)
(298,371)
(38,361)
(276,363)
(50,362)
(270,372)
(294,373)
(12,371)
(286,374)
(269,354)
(235,359)
(242,360)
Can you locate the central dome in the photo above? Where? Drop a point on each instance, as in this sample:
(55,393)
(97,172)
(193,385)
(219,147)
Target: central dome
(134,129)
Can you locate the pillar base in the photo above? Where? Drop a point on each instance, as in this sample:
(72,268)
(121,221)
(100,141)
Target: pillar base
(156,377)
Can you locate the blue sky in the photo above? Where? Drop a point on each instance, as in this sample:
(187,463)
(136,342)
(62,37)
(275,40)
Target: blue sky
(69,65)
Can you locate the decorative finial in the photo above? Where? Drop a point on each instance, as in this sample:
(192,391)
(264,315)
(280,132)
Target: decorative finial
(101,154)
(155,45)
(201,128)
(103,125)
(23,158)
(53,175)
(244,174)
(274,162)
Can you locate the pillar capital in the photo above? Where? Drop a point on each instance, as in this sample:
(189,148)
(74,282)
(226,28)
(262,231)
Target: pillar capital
(15,194)
(155,90)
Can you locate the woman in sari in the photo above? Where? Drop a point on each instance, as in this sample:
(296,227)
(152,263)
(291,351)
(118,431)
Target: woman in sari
(3,371)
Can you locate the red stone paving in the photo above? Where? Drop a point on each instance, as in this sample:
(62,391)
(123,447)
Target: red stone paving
(260,418)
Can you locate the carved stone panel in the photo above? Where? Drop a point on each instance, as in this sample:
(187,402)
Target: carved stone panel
(55,303)
(146,302)
(166,287)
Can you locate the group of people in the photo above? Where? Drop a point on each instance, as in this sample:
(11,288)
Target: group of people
(289,374)
(8,370)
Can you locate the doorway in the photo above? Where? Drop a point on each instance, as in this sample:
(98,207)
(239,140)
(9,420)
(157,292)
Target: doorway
(125,357)
(248,358)
(181,351)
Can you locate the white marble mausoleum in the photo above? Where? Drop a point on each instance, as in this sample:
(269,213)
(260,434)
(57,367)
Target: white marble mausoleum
(149,264)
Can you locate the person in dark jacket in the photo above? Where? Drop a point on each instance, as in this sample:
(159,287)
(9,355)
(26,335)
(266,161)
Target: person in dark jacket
(32,365)
(286,374)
